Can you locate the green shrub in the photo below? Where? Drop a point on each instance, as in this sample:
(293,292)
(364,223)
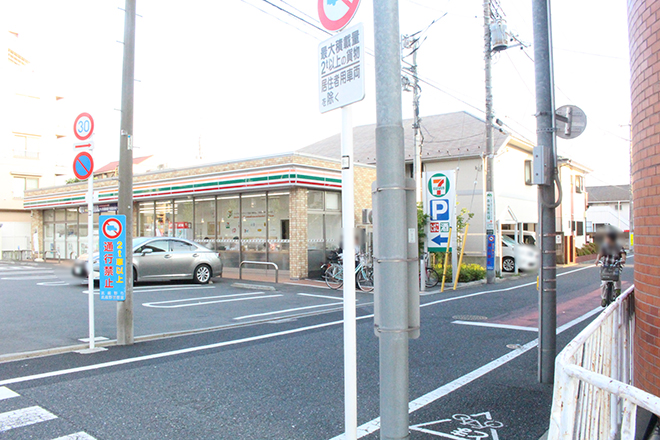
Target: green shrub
(469,272)
(587,249)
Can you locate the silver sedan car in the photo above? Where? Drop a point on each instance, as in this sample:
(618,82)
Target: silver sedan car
(164,258)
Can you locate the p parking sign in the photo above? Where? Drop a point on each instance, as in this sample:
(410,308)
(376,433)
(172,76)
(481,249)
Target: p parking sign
(439,205)
(112,251)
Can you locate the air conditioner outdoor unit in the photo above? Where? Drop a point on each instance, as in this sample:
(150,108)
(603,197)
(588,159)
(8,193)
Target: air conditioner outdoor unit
(367,216)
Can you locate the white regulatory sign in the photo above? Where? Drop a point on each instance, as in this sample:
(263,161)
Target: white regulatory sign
(341,69)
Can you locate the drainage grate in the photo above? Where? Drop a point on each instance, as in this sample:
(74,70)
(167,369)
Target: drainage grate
(469,318)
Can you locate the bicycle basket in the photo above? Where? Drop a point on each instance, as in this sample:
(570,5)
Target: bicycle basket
(333,257)
(610,273)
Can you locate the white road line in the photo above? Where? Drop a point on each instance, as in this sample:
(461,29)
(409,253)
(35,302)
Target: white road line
(6,393)
(170,353)
(165,289)
(76,436)
(24,417)
(53,283)
(320,296)
(317,286)
(374,425)
(287,310)
(495,325)
(177,306)
(28,278)
(29,272)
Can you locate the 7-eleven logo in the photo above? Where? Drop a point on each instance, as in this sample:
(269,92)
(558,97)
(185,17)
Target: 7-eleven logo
(439,185)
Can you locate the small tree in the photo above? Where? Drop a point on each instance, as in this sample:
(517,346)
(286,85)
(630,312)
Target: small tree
(422,221)
(462,219)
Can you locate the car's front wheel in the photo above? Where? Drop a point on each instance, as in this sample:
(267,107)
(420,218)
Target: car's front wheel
(508,264)
(202,274)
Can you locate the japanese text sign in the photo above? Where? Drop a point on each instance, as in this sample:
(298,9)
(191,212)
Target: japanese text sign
(341,69)
(112,251)
(439,205)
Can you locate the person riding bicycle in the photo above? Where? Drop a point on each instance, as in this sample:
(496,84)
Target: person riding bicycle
(610,253)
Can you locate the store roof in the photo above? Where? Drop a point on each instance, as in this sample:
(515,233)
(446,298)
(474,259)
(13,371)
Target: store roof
(447,135)
(114,164)
(610,193)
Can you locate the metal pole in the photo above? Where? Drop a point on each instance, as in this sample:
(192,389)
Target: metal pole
(125,334)
(348,228)
(490,274)
(545,123)
(90,259)
(391,267)
(417,156)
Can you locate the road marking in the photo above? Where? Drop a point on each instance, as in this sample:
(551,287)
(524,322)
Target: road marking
(287,310)
(164,289)
(24,417)
(495,325)
(422,401)
(53,283)
(6,393)
(76,436)
(317,286)
(205,297)
(208,302)
(29,272)
(27,278)
(320,296)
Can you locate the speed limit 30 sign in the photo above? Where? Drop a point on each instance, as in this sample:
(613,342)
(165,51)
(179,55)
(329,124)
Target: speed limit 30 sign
(83,127)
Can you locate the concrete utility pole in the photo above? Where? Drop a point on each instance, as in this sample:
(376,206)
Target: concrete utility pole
(490,160)
(125,334)
(391,261)
(417,159)
(545,170)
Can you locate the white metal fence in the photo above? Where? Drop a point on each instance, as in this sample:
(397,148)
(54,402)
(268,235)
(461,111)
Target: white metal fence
(593,396)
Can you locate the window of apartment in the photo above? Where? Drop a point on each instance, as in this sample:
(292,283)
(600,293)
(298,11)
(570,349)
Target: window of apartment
(579,184)
(26,145)
(528,172)
(580,229)
(20,184)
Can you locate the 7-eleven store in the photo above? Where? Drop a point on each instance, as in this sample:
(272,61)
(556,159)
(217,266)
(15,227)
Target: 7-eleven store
(285,209)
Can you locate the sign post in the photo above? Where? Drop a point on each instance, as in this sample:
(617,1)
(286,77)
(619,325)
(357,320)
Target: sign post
(83,169)
(440,204)
(341,83)
(112,254)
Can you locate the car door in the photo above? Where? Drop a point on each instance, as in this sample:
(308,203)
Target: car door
(152,258)
(182,259)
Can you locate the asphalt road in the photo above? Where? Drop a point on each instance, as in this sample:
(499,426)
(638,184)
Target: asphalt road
(283,379)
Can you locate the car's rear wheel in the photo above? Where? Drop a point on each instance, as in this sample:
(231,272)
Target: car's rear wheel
(508,264)
(202,274)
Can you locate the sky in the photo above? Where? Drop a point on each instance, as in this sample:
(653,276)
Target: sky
(231,79)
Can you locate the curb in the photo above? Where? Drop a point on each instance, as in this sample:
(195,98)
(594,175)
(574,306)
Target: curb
(252,286)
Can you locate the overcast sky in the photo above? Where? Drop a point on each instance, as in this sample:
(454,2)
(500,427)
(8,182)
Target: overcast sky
(239,77)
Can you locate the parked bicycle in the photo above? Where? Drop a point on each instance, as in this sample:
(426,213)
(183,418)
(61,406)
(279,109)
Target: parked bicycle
(364,275)
(432,276)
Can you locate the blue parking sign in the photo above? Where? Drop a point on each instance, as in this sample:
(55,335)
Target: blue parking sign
(112,251)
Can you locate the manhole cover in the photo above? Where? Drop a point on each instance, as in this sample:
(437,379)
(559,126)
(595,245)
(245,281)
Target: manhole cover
(469,318)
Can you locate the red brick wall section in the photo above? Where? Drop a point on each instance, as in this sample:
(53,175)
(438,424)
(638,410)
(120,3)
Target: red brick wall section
(644,36)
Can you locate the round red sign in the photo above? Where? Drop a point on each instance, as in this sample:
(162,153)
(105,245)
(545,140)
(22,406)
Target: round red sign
(83,126)
(83,165)
(336,14)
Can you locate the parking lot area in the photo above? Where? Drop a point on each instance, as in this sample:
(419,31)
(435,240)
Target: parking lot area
(45,307)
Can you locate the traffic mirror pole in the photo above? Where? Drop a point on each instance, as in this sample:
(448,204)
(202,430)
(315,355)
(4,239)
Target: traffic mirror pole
(125,333)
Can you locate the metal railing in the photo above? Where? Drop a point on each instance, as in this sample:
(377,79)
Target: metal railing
(56,254)
(593,396)
(267,263)
(17,255)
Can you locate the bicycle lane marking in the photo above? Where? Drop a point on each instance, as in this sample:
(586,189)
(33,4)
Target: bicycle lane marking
(430,397)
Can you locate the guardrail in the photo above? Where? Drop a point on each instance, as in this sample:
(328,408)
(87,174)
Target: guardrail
(593,396)
(56,254)
(267,263)
(17,255)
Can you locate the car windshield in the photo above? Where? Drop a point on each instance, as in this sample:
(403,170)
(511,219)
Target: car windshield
(139,241)
(508,241)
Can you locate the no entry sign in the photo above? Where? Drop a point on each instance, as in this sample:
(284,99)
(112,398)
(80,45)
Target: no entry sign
(336,14)
(83,127)
(83,165)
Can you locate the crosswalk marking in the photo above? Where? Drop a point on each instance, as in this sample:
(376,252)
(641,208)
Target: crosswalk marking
(76,436)
(6,393)
(30,416)
(24,417)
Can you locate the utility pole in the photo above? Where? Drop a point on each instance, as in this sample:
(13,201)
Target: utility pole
(545,175)
(391,240)
(125,334)
(490,160)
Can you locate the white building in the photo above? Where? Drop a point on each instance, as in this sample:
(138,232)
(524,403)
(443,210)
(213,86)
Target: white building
(609,206)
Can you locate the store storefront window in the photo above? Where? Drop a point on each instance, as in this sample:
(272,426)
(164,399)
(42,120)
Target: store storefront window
(164,218)
(183,218)
(254,227)
(323,227)
(146,219)
(278,229)
(229,229)
(205,222)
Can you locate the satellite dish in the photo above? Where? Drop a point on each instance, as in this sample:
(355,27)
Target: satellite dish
(571,121)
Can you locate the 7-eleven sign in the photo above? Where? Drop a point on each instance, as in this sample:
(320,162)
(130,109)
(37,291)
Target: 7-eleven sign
(439,185)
